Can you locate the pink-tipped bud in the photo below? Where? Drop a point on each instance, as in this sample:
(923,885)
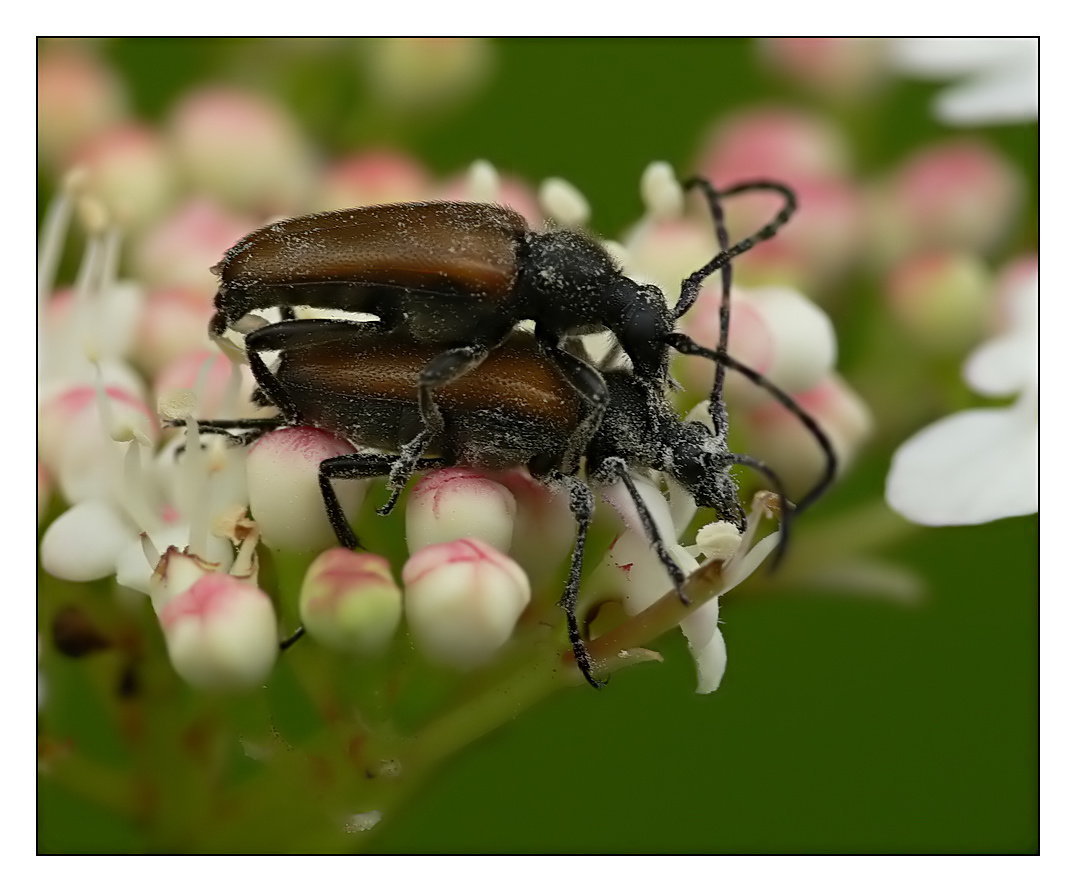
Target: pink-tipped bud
(459,503)
(410,74)
(131,171)
(666,252)
(172,324)
(220,631)
(179,251)
(77,98)
(774,143)
(462,601)
(775,331)
(285,498)
(960,194)
(940,299)
(79,438)
(210,374)
(777,437)
(839,67)
(544,528)
(241,148)
(373,177)
(350,601)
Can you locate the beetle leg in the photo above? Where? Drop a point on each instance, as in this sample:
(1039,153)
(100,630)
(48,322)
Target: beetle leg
(442,369)
(589,384)
(615,468)
(581,501)
(357,466)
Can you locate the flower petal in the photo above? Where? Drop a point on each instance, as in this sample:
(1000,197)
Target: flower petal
(1008,94)
(85,542)
(972,467)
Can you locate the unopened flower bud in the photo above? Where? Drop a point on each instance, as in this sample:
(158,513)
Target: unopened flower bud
(779,438)
(285,497)
(350,601)
(240,148)
(372,177)
(179,251)
(462,600)
(131,171)
(77,97)
(221,633)
(85,542)
(941,299)
(459,503)
(544,528)
(416,73)
(661,191)
(960,194)
(775,331)
(839,67)
(563,202)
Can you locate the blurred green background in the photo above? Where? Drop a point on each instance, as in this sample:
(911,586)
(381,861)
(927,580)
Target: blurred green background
(843,724)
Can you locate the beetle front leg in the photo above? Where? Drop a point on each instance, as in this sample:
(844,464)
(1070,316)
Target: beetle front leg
(357,466)
(590,385)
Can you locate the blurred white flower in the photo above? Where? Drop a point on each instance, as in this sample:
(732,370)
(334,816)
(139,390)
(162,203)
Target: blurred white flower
(999,76)
(981,464)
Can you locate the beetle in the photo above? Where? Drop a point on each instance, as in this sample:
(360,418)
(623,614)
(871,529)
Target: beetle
(462,275)
(359,383)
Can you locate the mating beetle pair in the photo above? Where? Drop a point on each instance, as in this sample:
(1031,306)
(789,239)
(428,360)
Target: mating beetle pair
(448,282)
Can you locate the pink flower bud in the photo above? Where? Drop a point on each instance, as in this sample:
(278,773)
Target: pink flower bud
(77,443)
(179,251)
(544,529)
(220,631)
(77,98)
(838,67)
(462,600)
(940,298)
(458,503)
(666,252)
(778,437)
(775,331)
(959,194)
(285,498)
(242,149)
(372,177)
(350,601)
(131,171)
(209,374)
(173,324)
(774,143)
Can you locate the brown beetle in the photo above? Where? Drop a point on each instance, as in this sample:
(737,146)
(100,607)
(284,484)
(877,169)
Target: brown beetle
(462,275)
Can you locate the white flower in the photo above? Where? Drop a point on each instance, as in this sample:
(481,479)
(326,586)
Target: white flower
(981,464)
(632,566)
(1000,76)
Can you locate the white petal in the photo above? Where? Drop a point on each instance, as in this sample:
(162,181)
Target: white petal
(943,57)
(710,664)
(85,542)
(1003,366)
(972,467)
(1006,95)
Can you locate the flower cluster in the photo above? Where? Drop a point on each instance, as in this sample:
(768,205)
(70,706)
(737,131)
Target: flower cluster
(168,513)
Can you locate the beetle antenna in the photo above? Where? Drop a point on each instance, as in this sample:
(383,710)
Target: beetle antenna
(684,344)
(689,289)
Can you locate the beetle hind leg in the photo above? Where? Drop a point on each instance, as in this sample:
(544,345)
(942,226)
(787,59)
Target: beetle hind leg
(442,369)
